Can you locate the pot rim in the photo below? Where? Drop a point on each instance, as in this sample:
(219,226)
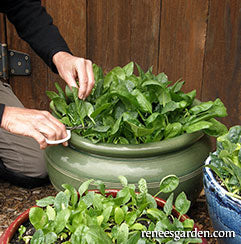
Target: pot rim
(140,150)
(222,191)
(11,230)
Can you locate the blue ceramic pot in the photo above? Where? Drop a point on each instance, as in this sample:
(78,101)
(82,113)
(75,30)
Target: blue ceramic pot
(224,210)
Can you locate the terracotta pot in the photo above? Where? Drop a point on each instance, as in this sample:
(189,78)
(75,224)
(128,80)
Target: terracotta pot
(224,210)
(82,160)
(11,230)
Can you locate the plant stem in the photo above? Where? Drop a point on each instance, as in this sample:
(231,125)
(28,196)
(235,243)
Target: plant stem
(157,193)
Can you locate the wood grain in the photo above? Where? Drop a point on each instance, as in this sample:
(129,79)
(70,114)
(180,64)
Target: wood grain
(145,33)
(182,41)
(222,67)
(108,35)
(70,18)
(2,35)
(123,31)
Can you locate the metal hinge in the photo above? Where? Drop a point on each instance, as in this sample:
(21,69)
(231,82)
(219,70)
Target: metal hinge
(13,62)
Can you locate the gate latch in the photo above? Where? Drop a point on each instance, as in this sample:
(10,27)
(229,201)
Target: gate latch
(13,62)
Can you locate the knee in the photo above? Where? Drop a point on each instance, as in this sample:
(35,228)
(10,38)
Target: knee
(29,178)
(38,169)
(34,166)
(40,173)
(23,156)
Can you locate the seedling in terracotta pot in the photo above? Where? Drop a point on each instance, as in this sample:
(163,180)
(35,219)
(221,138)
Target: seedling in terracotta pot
(110,216)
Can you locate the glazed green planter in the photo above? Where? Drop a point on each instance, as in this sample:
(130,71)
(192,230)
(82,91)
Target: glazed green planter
(183,156)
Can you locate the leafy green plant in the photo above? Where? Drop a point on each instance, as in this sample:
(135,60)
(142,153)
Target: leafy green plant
(88,217)
(22,236)
(226,161)
(127,109)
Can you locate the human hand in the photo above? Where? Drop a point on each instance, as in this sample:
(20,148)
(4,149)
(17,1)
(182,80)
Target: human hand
(33,123)
(71,68)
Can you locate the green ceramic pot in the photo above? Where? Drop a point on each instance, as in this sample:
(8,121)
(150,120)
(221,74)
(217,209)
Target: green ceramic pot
(183,156)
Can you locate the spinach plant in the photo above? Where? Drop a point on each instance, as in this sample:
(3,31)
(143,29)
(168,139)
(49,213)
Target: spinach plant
(88,217)
(125,108)
(226,161)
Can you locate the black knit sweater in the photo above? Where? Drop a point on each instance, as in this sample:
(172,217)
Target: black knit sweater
(36,27)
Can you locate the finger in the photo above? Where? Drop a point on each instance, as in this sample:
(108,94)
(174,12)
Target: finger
(61,129)
(53,129)
(39,138)
(70,80)
(65,144)
(58,134)
(91,78)
(44,145)
(48,132)
(83,78)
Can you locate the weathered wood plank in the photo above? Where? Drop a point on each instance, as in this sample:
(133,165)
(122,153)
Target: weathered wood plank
(123,31)
(2,35)
(108,35)
(145,28)
(222,67)
(70,18)
(182,41)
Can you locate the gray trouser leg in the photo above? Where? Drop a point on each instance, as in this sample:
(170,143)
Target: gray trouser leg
(19,154)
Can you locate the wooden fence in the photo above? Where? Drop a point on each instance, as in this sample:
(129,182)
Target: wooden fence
(197,40)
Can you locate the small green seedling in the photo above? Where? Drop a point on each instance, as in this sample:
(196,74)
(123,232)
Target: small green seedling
(87,217)
(21,230)
(226,161)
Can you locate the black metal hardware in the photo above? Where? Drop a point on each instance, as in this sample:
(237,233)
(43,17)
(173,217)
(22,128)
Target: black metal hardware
(12,62)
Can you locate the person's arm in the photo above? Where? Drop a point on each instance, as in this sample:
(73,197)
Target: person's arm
(2,106)
(35,26)
(32,123)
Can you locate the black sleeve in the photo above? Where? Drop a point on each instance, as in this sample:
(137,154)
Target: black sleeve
(35,26)
(2,106)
